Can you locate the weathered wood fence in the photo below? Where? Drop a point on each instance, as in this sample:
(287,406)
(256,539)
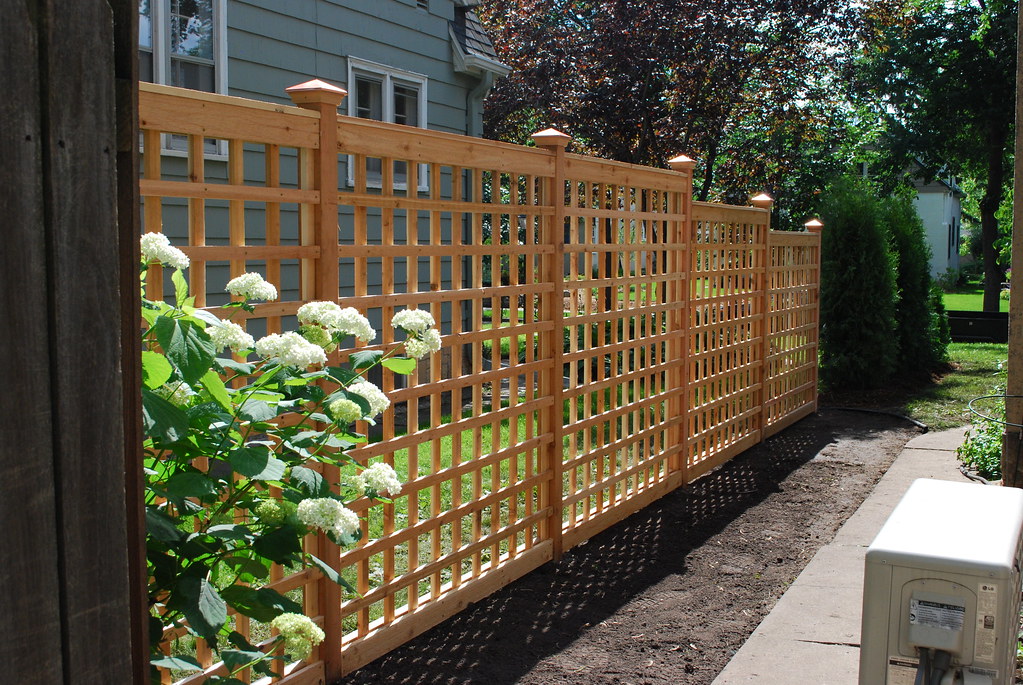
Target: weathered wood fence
(606,339)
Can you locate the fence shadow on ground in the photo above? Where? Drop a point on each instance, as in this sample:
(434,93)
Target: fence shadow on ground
(500,638)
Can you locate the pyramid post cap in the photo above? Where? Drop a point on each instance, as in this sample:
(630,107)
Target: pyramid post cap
(551,137)
(763,201)
(316,91)
(814,225)
(681,163)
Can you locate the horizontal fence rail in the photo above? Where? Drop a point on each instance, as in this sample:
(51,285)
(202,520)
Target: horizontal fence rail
(605,339)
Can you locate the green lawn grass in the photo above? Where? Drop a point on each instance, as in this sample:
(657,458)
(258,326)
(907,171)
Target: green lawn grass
(980,369)
(970,298)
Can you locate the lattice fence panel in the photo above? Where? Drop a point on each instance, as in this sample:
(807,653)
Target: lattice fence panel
(726,320)
(792,325)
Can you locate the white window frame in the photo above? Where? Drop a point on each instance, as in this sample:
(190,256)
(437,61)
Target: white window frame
(387,76)
(159,17)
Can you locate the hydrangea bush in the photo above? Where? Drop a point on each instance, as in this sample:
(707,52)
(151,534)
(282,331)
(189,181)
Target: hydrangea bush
(225,437)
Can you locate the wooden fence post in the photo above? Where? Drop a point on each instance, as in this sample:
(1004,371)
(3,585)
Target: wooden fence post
(766,202)
(324,98)
(681,264)
(816,227)
(553,306)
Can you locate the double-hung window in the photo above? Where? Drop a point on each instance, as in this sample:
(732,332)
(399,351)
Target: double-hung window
(183,43)
(386,94)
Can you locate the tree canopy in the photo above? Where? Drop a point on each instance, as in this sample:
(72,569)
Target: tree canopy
(939,76)
(747,88)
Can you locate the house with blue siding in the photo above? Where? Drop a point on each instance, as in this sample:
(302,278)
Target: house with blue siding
(425,63)
(417,62)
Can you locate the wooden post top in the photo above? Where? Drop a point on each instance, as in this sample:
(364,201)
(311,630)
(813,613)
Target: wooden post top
(814,225)
(551,138)
(681,163)
(763,201)
(315,92)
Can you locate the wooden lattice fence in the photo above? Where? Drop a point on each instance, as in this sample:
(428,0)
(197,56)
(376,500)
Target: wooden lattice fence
(606,339)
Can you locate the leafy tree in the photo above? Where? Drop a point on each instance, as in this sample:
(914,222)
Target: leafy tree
(940,74)
(921,345)
(643,80)
(859,344)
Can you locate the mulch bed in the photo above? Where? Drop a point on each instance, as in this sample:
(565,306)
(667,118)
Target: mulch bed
(669,594)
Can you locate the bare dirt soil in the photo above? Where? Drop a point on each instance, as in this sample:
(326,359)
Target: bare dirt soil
(669,594)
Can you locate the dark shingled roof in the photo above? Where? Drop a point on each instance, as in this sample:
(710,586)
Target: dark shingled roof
(471,35)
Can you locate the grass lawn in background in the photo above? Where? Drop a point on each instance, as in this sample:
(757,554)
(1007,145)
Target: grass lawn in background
(980,369)
(970,298)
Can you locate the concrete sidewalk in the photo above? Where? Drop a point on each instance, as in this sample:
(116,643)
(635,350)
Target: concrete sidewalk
(813,634)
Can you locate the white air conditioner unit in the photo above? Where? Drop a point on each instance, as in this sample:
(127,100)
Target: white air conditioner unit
(941,593)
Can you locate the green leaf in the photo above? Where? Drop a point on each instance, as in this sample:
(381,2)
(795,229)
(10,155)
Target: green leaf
(400,365)
(161,419)
(202,606)
(191,484)
(264,604)
(243,368)
(281,546)
(177,663)
(180,287)
(231,531)
(342,375)
(310,482)
(236,658)
(256,411)
(215,387)
(331,574)
(156,370)
(364,359)
(248,570)
(257,463)
(186,346)
(161,526)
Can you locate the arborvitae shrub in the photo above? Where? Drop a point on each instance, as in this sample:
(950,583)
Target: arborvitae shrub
(919,348)
(859,344)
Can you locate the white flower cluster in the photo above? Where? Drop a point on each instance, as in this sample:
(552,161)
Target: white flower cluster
(251,286)
(330,516)
(423,338)
(229,334)
(378,402)
(413,320)
(379,478)
(300,634)
(177,393)
(157,247)
(344,410)
(334,319)
(291,348)
(430,342)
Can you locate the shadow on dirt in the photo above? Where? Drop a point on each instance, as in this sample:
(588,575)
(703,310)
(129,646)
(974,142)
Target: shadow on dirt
(500,638)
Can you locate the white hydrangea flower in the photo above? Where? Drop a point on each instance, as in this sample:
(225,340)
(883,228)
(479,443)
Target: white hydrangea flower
(251,286)
(344,410)
(229,334)
(157,247)
(177,393)
(414,321)
(337,320)
(378,402)
(330,516)
(430,342)
(380,478)
(292,349)
(300,634)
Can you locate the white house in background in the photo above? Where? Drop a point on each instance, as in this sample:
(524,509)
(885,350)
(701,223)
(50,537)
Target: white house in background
(938,204)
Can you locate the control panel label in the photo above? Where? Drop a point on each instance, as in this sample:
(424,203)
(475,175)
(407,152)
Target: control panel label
(936,614)
(985,641)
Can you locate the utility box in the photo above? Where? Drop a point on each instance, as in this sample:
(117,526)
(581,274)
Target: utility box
(942,587)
